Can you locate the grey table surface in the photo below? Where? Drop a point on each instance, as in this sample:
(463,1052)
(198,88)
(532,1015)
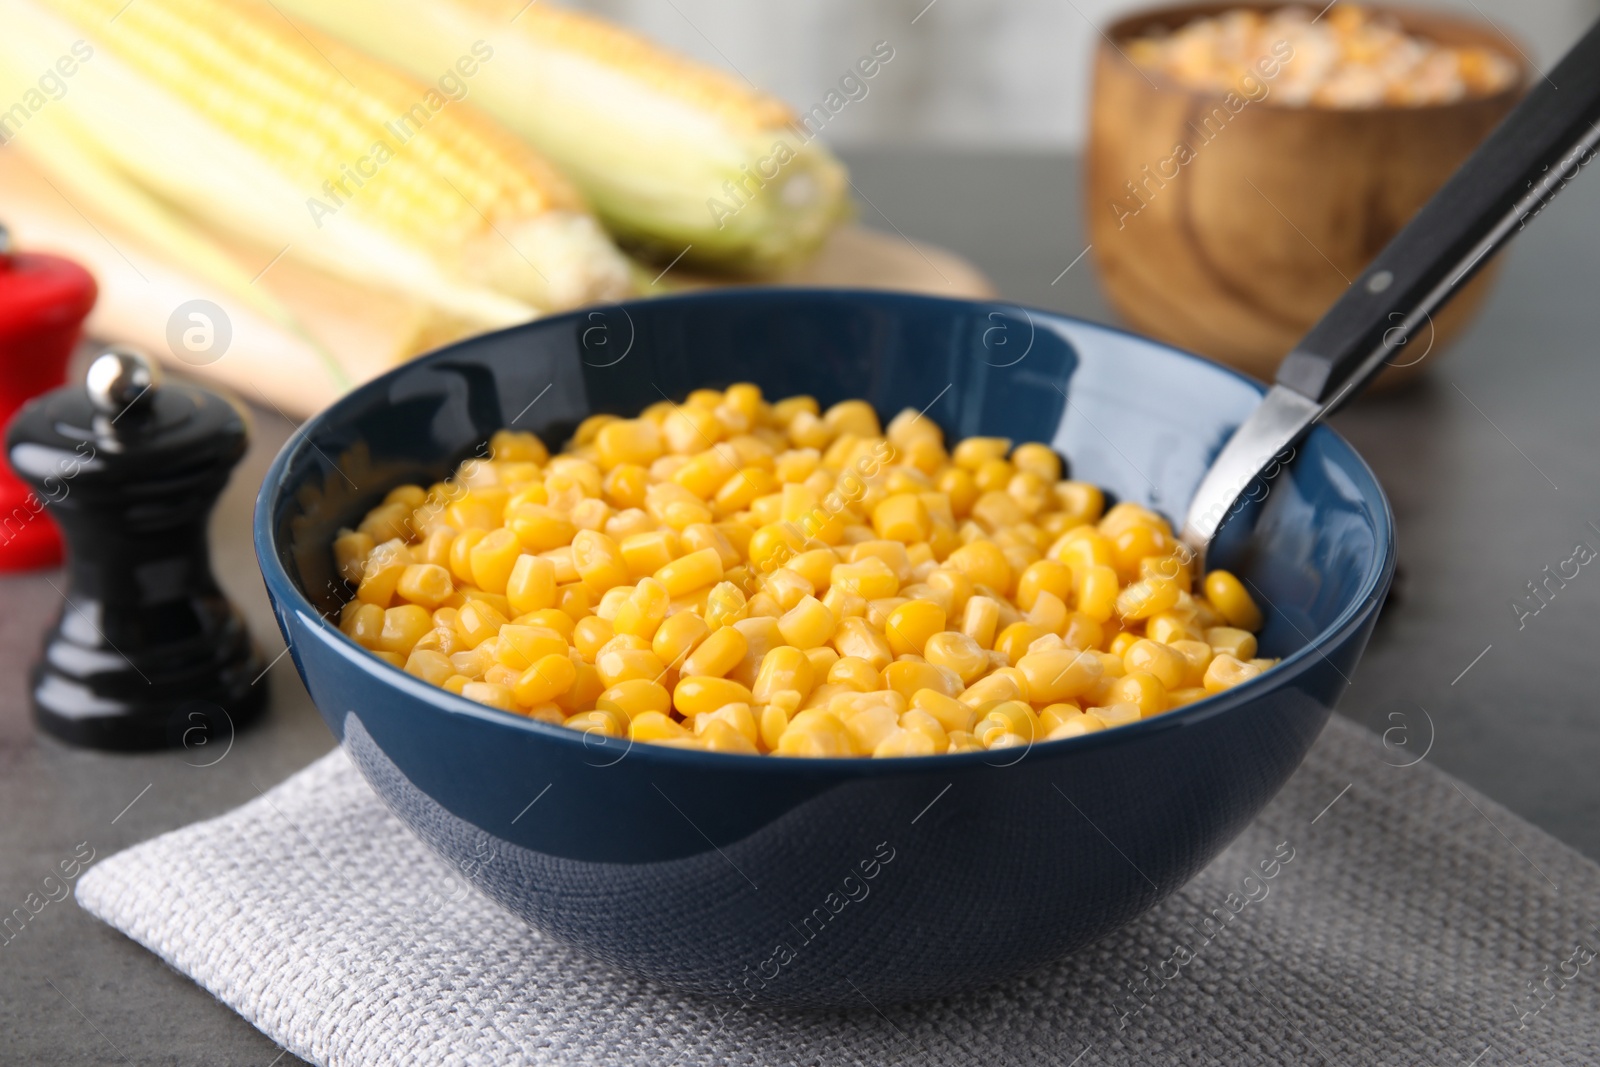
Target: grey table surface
(1489,462)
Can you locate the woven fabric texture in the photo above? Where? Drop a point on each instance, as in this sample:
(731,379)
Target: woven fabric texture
(1406,920)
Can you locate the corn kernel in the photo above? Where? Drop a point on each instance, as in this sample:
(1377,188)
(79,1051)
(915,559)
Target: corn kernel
(1225,672)
(855,637)
(783,669)
(809,624)
(1160,660)
(1228,596)
(496,696)
(693,571)
(718,654)
(546,679)
(1240,644)
(635,697)
(695,694)
(1060,675)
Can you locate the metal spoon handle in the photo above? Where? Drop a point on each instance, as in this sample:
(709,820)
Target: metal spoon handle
(1519,168)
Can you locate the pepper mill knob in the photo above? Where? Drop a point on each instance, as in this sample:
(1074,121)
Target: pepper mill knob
(147,647)
(119,379)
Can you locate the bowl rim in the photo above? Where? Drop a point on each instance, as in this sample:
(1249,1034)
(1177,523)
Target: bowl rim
(287,597)
(1120,30)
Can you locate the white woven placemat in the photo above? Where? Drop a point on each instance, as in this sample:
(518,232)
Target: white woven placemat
(1416,923)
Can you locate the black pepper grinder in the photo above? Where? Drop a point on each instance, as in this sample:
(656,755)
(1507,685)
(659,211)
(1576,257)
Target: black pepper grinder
(147,648)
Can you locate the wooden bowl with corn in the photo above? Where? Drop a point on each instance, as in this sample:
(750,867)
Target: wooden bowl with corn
(1246,161)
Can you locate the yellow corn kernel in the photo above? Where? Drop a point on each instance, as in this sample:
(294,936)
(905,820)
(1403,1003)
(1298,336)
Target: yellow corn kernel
(910,625)
(1080,500)
(809,624)
(1122,642)
(628,441)
(1168,627)
(1040,460)
(1043,576)
(617,665)
(1178,698)
(853,416)
(461,553)
(642,610)
(786,675)
(980,620)
(545,679)
(901,517)
(972,452)
(868,721)
(1172,567)
(350,551)
(787,587)
(952,714)
(719,653)
(706,473)
(425,584)
(455,683)
(1141,689)
(696,694)
(1146,597)
(585,690)
(431,667)
(871,578)
(531,586)
(908,677)
(1014,640)
(635,697)
(517,446)
(725,605)
(655,726)
(693,571)
(1007,683)
(574,600)
(677,636)
(624,487)
(362,623)
(589,635)
(540,527)
(403,627)
(599,721)
(1240,644)
(984,563)
(771,721)
(1074,726)
(1009,716)
(1160,660)
(731,728)
(905,742)
(1228,596)
(1059,675)
(815,733)
(1225,672)
(477,621)
(1115,714)
(958,652)
(381,574)
(1097,592)
(496,696)
(855,637)
(1197,655)
(1049,613)
(1053,715)
(855,673)
(518,647)
(598,561)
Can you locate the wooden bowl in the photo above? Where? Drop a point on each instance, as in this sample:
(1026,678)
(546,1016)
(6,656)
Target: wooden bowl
(1240,251)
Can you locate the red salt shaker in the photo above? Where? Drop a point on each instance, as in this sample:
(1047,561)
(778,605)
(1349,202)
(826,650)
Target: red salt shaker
(43,302)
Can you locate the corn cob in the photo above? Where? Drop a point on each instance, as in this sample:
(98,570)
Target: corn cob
(302,144)
(672,154)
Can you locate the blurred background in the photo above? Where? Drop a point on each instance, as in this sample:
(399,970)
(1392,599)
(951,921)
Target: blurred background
(1012,74)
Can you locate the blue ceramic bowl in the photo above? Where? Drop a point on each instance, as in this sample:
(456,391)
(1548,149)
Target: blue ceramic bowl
(823,881)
